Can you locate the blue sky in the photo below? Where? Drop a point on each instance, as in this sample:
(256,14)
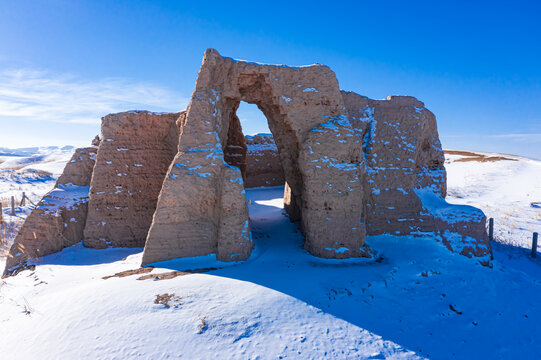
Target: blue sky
(476,65)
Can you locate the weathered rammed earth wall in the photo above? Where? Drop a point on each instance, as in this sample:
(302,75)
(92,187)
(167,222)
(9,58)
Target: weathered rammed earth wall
(132,161)
(405,179)
(59,218)
(263,167)
(202,207)
(353,166)
(175,182)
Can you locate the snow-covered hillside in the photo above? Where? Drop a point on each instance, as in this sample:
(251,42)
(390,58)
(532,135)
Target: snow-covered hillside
(506,187)
(416,300)
(30,170)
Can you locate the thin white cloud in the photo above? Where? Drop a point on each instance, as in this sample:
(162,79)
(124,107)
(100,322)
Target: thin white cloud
(46,96)
(519,137)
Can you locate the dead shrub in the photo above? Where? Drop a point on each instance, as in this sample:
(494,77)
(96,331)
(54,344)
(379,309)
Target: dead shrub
(8,231)
(203,326)
(166,299)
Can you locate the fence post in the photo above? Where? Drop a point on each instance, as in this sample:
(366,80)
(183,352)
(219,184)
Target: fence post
(534,245)
(23,199)
(491,229)
(13,205)
(1,214)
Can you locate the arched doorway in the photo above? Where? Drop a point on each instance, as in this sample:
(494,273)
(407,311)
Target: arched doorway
(202,206)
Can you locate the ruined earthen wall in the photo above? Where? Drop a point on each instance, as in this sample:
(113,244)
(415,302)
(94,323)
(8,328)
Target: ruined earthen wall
(405,181)
(78,171)
(263,167)
(136,150)
(352,167)
(402,152)
(304,107)
(59,218)
(235,152)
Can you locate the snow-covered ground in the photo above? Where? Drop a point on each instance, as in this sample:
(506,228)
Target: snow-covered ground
(32,170)
(507,190)
(417,300)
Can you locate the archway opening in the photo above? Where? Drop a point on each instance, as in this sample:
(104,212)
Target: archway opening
(253,151)
(252,147)
(252,120)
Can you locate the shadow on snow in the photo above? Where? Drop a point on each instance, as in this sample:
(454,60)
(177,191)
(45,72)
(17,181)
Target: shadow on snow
(418,295)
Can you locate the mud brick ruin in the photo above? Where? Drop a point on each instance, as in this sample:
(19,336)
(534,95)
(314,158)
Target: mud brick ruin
(174,183)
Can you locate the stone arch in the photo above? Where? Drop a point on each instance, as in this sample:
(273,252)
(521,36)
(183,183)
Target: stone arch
(202,206)
(256,89)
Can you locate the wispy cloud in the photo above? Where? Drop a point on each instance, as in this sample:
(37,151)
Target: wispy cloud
(519,137)
(46,96)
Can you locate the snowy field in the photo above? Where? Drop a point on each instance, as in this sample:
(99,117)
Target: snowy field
(508,190)
(30,170)
(417,301)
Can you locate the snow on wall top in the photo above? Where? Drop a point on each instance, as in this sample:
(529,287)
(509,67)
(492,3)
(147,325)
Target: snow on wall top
(66,196)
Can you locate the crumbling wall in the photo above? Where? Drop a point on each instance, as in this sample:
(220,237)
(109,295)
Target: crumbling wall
(235,152)
(402,152)
(59,218)
(136,150)
(405,181)
(304,107)
(78,171)
(263,166)
(174,183)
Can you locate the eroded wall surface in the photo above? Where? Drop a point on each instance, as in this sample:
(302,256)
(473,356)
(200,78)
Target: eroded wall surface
(136,150)
(405,180)
(263,166)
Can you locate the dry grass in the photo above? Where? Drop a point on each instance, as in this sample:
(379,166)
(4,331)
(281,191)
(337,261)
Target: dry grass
(461,153)
(483,158)
(130,272)
(21,167)
(6,202)
(470,156)
(27,309)
(173,274)
(166,299)
(8,231)
(203,326)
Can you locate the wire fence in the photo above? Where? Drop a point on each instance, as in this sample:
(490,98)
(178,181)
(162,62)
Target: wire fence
(11,220)
(535,236)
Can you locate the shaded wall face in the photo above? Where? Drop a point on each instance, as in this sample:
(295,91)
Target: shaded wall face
(402,153)
(235,150)
(234,147)
(263,166)
(133,158)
